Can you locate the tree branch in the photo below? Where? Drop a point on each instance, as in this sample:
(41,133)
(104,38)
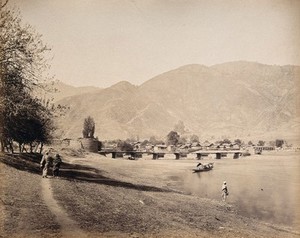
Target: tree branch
(4,4)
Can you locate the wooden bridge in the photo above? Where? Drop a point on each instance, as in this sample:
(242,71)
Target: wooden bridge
(178,154)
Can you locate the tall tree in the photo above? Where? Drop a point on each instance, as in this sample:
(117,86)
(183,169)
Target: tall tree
(279,143)
(88,127)
(261,143)
(23,117)
(238,141)
(172,138)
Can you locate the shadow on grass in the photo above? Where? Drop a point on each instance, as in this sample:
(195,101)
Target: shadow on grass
(31,163)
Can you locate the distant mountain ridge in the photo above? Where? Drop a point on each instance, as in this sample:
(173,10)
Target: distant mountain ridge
(236,99)
(62,90)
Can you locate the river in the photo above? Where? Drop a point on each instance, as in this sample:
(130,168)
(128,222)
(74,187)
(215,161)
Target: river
(266,187)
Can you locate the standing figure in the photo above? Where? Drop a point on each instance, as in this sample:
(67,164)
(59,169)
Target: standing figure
(225,192)
(45,164)
(56,165)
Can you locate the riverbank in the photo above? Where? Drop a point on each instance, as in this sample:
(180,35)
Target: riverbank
(116,198)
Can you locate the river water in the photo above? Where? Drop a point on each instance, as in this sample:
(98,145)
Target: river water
(264,186)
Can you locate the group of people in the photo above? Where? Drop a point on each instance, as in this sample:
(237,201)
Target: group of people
(205,166)
(47,161)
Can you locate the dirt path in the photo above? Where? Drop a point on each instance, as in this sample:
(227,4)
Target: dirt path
(69,228)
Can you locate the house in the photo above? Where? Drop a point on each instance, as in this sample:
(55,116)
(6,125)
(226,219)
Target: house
(149,147)
(208,145)
(196,146)
(159,147)
(171,148)
(136,145)
(235,146)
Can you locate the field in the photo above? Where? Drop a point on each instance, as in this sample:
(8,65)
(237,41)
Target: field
(98,196)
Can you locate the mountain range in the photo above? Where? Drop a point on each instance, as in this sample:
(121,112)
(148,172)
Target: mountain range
(232,100)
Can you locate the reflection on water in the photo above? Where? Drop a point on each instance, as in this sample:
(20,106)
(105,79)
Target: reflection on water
(263,186)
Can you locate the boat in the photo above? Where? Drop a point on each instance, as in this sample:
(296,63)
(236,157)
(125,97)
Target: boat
(204,168)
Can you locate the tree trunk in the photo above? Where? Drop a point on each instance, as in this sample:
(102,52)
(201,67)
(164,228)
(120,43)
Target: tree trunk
(24,148)
(31,147)
(10,143)
(41,148)
(2,145)
(20,148)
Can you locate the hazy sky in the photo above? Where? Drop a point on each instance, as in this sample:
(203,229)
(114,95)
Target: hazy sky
(101,42)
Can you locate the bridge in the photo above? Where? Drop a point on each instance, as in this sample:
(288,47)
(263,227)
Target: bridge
(178,154)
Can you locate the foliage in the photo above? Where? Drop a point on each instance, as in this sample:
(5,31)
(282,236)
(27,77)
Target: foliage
(124,146)
(227,141)
(272,143)
(88,127)
(172,138)
(182,140)
(145,142)
(238,141)
(261,143)
(154,141)
(279,143)
(24,117)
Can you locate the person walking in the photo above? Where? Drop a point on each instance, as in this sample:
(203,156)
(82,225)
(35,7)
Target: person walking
(225,192)
(56,165)
(45,164)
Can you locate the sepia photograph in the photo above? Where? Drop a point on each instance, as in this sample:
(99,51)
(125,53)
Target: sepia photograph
(150,118)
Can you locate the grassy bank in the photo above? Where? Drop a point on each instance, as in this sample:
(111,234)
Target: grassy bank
(23,211)
(115,198)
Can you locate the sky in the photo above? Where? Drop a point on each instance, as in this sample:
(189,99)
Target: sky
(101,42)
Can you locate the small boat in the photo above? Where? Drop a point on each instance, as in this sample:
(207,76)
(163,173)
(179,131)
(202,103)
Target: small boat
(204,168)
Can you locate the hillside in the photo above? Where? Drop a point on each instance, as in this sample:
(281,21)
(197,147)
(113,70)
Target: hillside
(236,99)
(60,90)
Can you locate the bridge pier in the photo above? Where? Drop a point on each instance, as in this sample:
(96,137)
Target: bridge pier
(199,156)
(236,155)
(177,155)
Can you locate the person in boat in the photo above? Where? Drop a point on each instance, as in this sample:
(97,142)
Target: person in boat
(200,166)
(208,166)
(225,192)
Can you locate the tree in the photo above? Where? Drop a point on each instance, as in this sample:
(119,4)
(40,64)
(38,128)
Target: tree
(250,142)
(144,143)
(154,141)
(124,146)
(272,143)
(88,127)
(3,3)
(238,141)
(227,141)
(172,138)
(32,125)
(279,143)
(24,118)
(261,143)
(182,140)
